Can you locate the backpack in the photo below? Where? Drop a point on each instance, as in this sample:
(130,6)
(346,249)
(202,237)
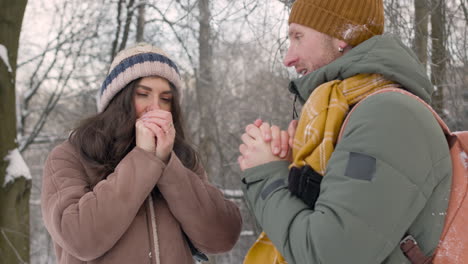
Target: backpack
(453,243)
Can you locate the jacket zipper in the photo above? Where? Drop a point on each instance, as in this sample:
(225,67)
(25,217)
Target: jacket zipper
(153,230)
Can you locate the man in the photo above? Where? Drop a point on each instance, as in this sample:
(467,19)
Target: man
(386,178)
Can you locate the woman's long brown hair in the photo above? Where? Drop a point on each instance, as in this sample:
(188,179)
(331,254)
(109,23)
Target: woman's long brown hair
(105,138)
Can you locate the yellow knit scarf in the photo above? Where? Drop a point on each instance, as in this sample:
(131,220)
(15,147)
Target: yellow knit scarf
(319,125)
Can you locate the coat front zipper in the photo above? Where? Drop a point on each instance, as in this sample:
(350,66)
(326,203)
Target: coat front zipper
(153,230)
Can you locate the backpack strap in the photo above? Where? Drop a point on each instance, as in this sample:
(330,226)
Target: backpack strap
(442,124)
(413,252)
(408,244)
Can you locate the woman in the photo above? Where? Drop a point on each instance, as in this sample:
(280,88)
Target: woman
(126,187)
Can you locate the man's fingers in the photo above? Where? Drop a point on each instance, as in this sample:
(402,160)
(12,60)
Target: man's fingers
(284,144)
(258,122)
(246,139)
(292,128)
(242,149)
(253,131)
(249,126)
(291,132)
(275,140)
(266,132)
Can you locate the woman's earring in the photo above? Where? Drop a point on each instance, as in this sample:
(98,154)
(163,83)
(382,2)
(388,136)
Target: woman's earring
(340,49)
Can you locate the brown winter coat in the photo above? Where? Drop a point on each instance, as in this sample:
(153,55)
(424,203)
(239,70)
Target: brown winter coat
(111,223)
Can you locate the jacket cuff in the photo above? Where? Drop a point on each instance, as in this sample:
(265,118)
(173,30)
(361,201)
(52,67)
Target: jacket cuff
(261,181)
(173,172)
(149,155)
(261,172)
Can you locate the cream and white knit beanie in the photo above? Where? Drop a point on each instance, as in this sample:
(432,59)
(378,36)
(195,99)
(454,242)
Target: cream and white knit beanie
(141,60)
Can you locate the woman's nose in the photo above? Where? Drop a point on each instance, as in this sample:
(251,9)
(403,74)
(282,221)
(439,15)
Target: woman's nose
(154,105)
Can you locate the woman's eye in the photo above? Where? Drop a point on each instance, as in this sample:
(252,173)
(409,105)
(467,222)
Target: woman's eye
(167,99)
(142,94)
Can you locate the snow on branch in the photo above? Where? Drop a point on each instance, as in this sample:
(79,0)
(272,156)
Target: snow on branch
(4,57)
(232,194)
(16,167)
(247,233)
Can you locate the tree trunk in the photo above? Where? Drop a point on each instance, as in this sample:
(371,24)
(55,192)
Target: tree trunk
(141,23)
(14,195)
(115,42)
(128,21)
(438,54)
(205,91)
(204,82)
(421,22)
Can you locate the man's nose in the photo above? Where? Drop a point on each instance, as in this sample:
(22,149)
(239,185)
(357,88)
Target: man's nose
(290,59)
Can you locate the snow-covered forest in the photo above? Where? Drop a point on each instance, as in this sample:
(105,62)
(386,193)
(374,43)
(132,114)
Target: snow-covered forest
(230,56)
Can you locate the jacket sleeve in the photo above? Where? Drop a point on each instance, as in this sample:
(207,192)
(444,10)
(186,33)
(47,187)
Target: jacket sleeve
(212,223)
(87,223)
(377,181)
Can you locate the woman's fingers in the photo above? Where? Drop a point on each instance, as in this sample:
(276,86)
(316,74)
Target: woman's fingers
(144,137)
(163,124)
(158,113)
(162,118)
(153,127)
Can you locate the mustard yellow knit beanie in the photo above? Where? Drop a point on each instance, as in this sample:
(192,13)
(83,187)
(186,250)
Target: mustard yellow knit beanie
(352,21)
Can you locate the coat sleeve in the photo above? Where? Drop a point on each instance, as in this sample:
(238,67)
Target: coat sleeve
(212,222)
(87,223)
(377,181)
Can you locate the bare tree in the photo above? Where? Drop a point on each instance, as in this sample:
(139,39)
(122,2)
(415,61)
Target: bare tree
(14,179)
(421,24)
(116,47)
(438,55)
(140,31)
(55,69)
(204,82)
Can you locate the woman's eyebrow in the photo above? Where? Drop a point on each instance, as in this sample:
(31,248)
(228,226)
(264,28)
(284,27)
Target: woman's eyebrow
(147,88)
(144,87)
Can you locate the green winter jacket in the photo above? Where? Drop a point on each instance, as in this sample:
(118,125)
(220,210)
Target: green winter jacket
(389,175)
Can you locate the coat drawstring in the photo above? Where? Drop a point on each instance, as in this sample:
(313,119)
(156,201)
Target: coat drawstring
(294,114)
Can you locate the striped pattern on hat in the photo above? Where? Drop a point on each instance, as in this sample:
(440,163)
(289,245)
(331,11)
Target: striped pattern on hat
(352,21)
(142,60)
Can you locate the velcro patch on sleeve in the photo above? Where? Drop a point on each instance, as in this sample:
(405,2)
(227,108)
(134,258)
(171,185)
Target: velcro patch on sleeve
(360,166)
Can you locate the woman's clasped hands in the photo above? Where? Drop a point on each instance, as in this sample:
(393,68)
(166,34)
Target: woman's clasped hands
(155,132)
